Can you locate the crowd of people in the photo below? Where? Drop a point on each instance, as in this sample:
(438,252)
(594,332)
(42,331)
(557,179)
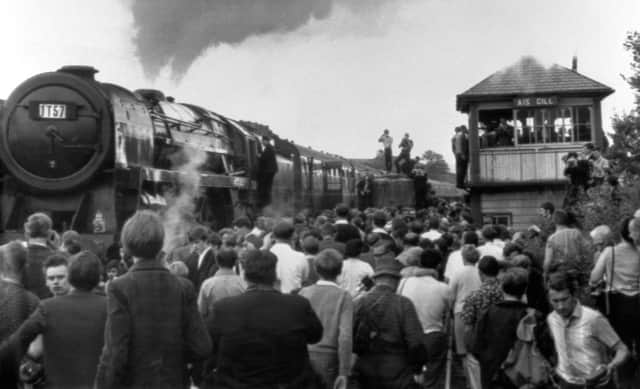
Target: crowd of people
(339,299)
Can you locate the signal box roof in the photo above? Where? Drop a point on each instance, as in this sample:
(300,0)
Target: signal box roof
(529,77)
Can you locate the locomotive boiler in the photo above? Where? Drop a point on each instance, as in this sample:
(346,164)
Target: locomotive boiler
(91,153)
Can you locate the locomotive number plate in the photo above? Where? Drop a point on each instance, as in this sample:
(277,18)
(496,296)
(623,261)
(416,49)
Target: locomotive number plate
(52,111)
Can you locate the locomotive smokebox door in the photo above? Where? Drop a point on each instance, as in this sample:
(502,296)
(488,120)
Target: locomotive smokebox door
(56,131)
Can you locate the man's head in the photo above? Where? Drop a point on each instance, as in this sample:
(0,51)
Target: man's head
(56,273)
(386,132)
(266,140)
(242,226)
(328,264)
(310,245)
(430,259)
(379,219)
(489,233)
(143,235)
(601,236)
(37,226)
(546,210)
(342,211)
(470,255)
(353,248)
(226,258)
(259,267)
(388,273)
(84,271)
(514,282)
(561,218)
(470,237)
(283,232)
(562,288)
(198,238)
(13,259)
(488,267)
(434,223)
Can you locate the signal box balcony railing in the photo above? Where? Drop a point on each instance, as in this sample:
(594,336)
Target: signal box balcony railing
(523,165)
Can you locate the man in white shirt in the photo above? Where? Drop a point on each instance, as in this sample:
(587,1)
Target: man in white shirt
(387,142)
(455,263)
(292,267)
(492,246)
(433,301)
(432,233)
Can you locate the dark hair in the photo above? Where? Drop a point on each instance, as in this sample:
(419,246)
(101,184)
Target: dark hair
(197,233)
(226,258)
(411,239)
(38,225)
(84,270)
(488,266)
(430,258)
(548,206)
(562,280)
(72,246)
(589,146)
(214,239)
(143,235)
(55,259)
(242,222)
(314,232)
(342,211)
(310,244)
(327,229)
(416,227)
(13,258)
(560,217)
(379,219)
(470,237)
(353,248)
(510,248)
(260,267)
(328,264)
(434,222)
(489,232)
(624,230)
(515,281)
(470,254)
(358,222)
(426,244)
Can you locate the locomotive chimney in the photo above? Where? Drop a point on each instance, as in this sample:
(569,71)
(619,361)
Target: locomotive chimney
(86,72)
(574,64)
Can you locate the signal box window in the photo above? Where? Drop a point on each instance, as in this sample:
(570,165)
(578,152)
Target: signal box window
(547,125)
(497,218)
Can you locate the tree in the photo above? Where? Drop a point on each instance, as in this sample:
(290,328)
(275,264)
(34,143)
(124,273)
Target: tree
(609,204)
(436,167)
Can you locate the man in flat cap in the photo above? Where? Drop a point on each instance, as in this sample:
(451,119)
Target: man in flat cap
(387,335)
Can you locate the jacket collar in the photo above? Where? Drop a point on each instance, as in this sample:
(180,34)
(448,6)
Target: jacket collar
(148,264)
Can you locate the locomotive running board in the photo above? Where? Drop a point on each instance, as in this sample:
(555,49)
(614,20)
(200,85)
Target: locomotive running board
(206,179)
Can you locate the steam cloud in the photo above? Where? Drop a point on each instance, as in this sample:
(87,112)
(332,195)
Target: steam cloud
(179,215)
(177,32)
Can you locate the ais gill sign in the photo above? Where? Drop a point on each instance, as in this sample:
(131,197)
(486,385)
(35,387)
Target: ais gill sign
(535,101)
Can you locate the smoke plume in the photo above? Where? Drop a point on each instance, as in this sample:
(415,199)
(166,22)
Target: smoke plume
(176,33)
(179,216)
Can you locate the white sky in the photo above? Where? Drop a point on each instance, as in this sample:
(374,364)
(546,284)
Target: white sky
(336,83)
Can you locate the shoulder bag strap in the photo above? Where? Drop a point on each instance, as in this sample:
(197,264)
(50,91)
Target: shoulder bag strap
(613,264)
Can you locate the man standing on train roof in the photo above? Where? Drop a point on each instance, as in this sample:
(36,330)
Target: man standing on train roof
(403,162)
(387,142)
(267,169)
(420,185)
(460,147)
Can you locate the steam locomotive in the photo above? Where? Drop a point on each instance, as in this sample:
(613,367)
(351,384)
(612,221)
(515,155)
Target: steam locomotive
(91,153)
